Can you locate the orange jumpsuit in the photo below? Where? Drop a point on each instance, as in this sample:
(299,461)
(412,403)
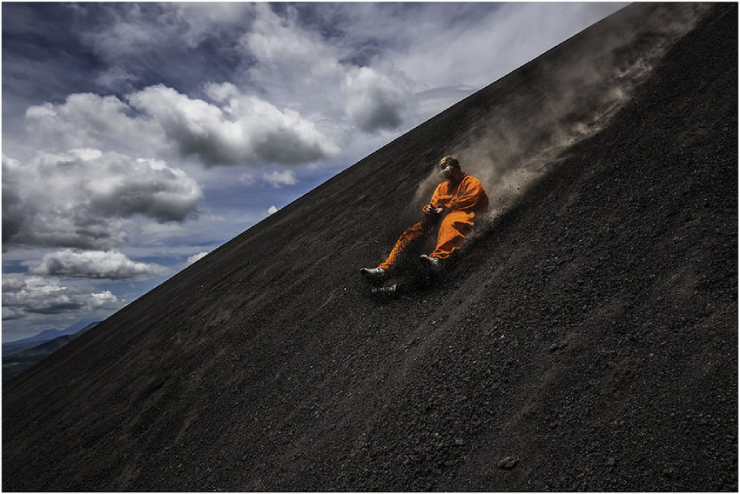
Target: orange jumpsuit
(464,201)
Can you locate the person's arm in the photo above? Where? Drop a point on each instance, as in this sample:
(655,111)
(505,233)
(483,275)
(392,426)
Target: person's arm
(471,196)
(435,206)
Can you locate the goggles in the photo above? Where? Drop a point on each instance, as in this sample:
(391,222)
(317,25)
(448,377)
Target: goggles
(446,172)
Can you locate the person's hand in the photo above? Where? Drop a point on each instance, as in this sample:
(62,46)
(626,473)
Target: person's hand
(428,209)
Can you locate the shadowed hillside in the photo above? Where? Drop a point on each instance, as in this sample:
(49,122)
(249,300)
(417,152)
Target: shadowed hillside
(17,362)
(587,340)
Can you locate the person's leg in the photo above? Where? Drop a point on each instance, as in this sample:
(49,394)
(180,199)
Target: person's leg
(453,232)
(412,234)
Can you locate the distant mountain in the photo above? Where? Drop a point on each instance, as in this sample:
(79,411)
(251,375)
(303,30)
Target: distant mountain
(19,361)
(11,348)
(46,335)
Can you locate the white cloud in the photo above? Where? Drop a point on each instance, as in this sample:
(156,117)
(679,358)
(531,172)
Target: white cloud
(87,200)
(159,121)
(292,62)
(197,257)
(298,66)
(374,101)
(246,131)
(24,295)
(272,210)
(86,154)
(221,92)
(95,264)
(91,121)
(296,87)
(278,179)
(492,43)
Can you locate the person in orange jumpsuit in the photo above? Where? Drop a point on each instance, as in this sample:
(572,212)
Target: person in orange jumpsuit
(459,200)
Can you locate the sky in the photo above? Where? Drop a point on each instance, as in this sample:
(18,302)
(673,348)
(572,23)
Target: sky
(138,137)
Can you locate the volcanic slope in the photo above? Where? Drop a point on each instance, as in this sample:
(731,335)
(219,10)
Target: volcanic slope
(587,339)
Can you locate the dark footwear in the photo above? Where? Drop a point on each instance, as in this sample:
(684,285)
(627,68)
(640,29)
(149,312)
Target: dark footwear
(434,263)
(375,274)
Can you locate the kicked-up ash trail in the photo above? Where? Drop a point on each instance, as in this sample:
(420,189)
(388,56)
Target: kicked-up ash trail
(586,340)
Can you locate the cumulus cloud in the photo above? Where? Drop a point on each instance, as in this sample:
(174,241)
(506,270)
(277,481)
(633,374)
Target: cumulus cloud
(308,66)
(195,258)
(278,179)
(374,101)
(272,210)
(88,120)
(361,65)
(111,265)
(86,199)
(237,130)
(301,75)
(24,295)
(247,130)
(299,59)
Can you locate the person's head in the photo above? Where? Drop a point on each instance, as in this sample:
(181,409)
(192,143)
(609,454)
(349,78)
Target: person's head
(449,169)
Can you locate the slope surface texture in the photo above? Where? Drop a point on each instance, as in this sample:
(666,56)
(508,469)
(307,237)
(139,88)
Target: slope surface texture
(586,339)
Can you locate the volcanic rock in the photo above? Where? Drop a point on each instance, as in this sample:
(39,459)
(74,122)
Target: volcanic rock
(268,365)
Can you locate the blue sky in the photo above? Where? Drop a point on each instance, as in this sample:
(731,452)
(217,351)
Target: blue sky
(138,137)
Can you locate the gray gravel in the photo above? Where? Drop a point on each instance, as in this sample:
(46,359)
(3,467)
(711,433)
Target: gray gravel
(586,341)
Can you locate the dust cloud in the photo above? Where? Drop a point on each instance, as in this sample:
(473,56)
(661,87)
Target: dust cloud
(553,107)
